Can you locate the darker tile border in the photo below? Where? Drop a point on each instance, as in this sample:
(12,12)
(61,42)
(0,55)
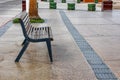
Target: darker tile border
(5,27)
(100,69)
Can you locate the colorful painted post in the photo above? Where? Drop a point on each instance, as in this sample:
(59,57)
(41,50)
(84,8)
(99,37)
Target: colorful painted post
(63,1)
(91,7)
(52,5)
(96,1)
(78,1)
(71,6)
(23,5)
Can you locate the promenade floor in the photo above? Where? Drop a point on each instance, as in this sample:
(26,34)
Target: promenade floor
(99,29)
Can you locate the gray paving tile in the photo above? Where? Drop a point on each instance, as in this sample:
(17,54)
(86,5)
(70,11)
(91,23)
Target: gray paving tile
(95,59)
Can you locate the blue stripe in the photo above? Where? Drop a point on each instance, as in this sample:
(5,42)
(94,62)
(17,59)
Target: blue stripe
(4,28)
(100,69)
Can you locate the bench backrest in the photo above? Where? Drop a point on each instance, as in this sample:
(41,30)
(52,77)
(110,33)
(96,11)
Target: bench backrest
(25,24)
(33,32)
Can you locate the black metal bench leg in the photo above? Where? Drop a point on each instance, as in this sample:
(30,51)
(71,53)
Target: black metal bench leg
(49,49)
(23,42)
(22,51)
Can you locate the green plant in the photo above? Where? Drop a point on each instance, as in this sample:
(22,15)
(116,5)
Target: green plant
(16,20)
(32,20)
(52,5)
(71,6)
(39,20)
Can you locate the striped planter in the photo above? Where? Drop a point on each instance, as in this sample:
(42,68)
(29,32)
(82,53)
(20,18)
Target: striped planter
(91,7)
(51,0)
(78,1)
(71,6)
(52,5)
(63,1)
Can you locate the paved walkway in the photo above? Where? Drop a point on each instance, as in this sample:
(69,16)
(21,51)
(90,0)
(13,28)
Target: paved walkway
(8,10)
(99,29)
(100,69)
(69,62)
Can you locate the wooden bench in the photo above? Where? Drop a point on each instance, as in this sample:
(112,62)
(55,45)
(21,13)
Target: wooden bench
(34,34)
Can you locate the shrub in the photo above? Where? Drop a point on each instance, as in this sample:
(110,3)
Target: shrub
(39,20)
(16,20)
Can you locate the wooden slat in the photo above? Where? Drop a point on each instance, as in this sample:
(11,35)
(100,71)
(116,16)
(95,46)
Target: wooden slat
(29,30)
(36,33)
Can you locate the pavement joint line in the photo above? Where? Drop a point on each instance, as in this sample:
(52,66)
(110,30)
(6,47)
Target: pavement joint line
(101,70)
